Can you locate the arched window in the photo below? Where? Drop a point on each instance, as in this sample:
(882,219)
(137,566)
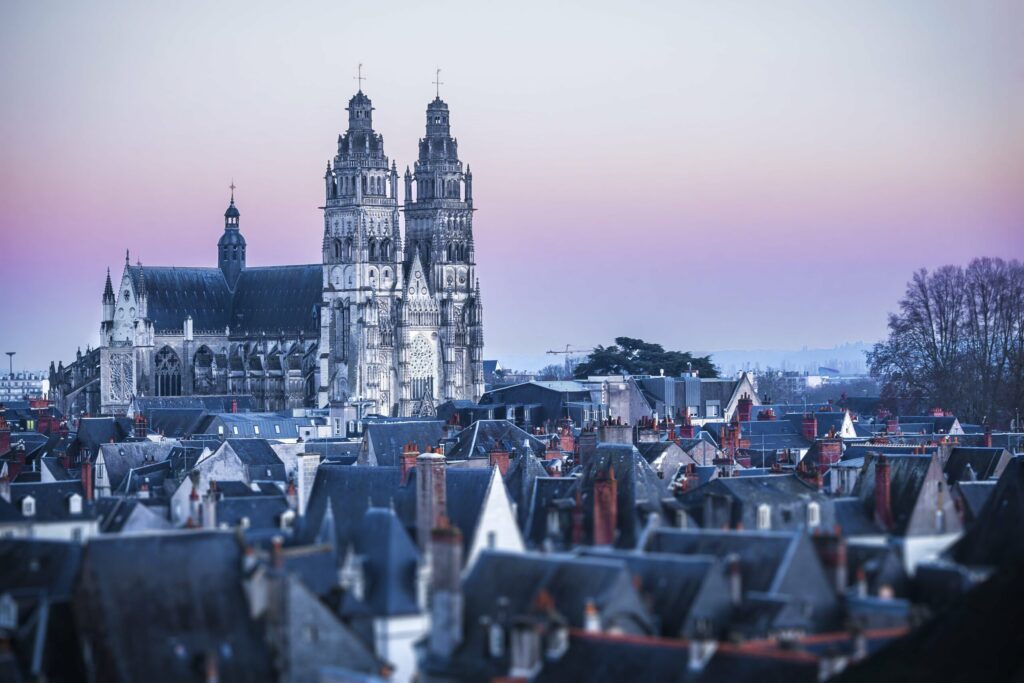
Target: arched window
(203,371)
(337,249)
(373,249)
(451,252)
(168,372)
(348,249)
(385,250)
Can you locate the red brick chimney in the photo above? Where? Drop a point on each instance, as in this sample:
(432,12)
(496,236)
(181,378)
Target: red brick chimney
(587,446)
(408,461)
(234,405)
(140,426)
(606,505)
(499,458)
(766,415)
(883,503)
(988,438)
(744,407)
(938,412)
(87,480)
(431,495)
(445,588)
(735,579)
(809,427)
(685,426)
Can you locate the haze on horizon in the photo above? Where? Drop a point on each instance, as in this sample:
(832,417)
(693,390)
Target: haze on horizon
(704,175)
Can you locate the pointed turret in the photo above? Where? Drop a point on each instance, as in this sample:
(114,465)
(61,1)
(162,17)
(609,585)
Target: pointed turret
(231,246)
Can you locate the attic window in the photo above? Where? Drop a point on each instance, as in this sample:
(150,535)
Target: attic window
(764,516)
(277,429)
(256,429)
(28,506)
(75,504)
(235,430)
(220,430)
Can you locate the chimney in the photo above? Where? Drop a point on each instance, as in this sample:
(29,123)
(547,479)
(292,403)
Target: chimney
(883,504)
(591,618)
(605,507)
(686,426)
(292,495)
(809,427)
(766,415)
(831,550)
(988,438)
(499,458)
(277,552)
(308,465)
(862,582)
(587,444)
(446,588)
(744,407)
(431,490)
(5,433)
(735,579)
(210,507)
(234,405)
(140,426)
(408,461)
(87,480)
(892,425)
(5,487)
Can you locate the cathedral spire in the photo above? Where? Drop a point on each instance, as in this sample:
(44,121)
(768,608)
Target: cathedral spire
(231,246)
(108,289)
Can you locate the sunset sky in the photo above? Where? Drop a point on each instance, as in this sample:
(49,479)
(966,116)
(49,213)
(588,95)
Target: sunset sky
(709,175)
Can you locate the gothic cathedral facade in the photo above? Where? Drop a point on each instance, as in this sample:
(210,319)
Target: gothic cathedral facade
(386,323)
(401,324)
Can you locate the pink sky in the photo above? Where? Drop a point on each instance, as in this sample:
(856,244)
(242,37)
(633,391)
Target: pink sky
(706,175)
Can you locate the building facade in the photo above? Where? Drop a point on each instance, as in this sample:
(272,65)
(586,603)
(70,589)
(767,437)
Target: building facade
(389,325)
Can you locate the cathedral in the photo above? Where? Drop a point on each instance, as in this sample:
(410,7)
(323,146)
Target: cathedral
(388,322)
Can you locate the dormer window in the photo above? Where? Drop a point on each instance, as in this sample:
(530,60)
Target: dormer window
(75,504)
(764,516)
(813,515)
(28,506)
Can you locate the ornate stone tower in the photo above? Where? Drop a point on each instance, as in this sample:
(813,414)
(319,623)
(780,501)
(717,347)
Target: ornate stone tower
(439,235)
(362,257)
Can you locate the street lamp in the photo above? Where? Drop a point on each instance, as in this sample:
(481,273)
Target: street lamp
(10,361)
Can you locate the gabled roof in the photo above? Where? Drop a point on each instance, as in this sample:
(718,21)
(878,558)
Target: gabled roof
(483,436)
(261,512)
(387,440)
(278,298)
(636,484)
(907,474)
(984,462)
(974,495)
(995,538)
(546,492)
(254,451)
(120,458)
(172,294)
(53,500)
(389,563)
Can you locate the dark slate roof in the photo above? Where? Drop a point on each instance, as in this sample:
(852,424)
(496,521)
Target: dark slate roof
(975,494)
(995,538)
(670,585)
(52,500)
(546,491)
(853,519)
(483,436)
(350,491)
(278,298)
(194,603)
(637,484)
(315,565)
(172,294)
(254,451)
(984,462)
(466,491)
(388,439)
(262,512)
(214,403)
(523,471)
(121,458)
(763,554)
(270,300)
(177,422)
(389,562)
(652,450)
(861,451)
(95,431)
(31,567)
(334,450)
(906,477)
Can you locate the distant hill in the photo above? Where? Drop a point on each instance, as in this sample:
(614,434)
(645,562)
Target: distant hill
(848,358)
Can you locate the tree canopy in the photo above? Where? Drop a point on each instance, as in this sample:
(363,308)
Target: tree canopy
(957,342)
(629,356)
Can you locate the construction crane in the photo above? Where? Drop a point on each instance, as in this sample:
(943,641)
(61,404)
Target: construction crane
(568,352)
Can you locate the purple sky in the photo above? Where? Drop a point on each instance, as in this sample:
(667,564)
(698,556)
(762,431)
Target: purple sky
(706,175)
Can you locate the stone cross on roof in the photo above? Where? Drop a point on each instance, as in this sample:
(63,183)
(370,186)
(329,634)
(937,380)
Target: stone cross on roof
(437,82)
(359,77)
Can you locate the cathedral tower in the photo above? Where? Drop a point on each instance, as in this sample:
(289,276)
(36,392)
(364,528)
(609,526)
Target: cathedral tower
(439,232)
(362,258)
